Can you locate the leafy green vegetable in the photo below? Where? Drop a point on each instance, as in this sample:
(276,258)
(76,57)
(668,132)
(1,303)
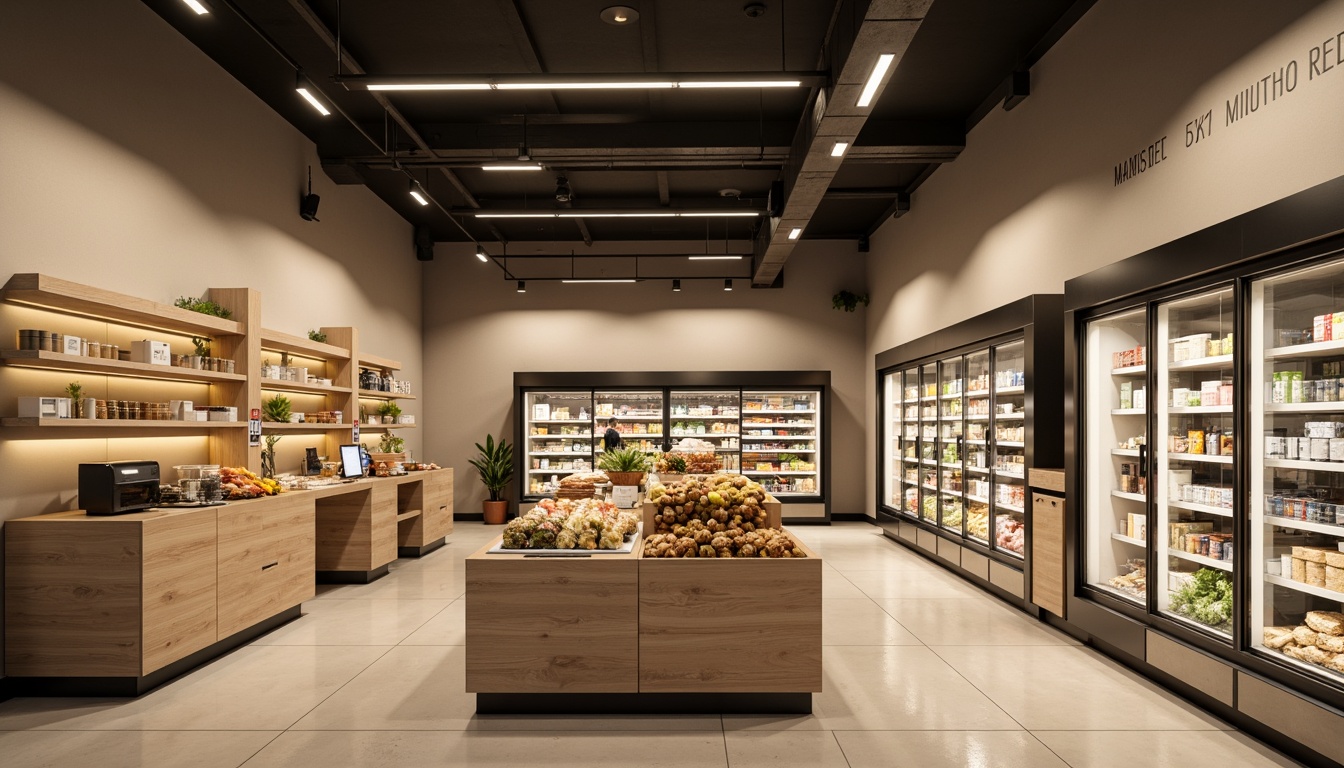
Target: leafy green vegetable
(204,306)
(1206,598)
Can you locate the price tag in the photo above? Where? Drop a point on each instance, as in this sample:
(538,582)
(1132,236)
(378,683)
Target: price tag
(354,433)
(254,428)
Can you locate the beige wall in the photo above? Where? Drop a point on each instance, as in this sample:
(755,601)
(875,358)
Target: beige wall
(1032,201)
(134,163)
(479,331)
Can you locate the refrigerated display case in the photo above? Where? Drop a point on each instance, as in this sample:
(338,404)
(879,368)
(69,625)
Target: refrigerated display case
(1114,412)
(769,425)
(1297,455)
(969,428)
(558,437)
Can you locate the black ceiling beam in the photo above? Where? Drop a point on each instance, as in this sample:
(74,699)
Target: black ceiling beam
(698,133)
(360,81)
(530,205)
(863,193)
(673,159)
(522,40)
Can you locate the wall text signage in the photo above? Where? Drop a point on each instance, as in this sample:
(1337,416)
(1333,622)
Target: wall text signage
(1319,61)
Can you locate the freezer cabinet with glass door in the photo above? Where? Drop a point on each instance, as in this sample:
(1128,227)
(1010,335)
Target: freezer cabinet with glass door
(557,436)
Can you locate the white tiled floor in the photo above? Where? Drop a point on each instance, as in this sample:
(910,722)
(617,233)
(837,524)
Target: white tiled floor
(921,669)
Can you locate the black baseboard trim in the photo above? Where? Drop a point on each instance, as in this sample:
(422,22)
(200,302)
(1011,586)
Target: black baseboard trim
(420,551)
(806,521)
(643,703)
(351,577)
(136,686)
(469,517)
(851,517)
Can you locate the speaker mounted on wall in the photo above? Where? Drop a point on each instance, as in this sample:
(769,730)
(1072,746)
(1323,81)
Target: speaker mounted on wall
(424,244)
(308,203)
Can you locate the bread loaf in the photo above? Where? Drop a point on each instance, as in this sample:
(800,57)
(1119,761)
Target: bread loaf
(1311,654)
(1278,637)
(1334,578)
(1336,663)
(1330,643)
(1329,622)
(1305,636)
(1312,554)
(1315,573)
(1335,559)
(1299,569)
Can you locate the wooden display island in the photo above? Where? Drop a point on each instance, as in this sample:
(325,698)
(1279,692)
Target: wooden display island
(620,633)
(118,605)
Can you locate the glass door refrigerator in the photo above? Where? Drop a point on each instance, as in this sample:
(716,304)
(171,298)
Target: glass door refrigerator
(638,415)
(558,435)
(1296,499)
(951,401)
(1008,420)
(1115,420)
(1195,468)
(976,446)
(781,440)
(711,416)
(909,504)
(892,435)
(928,443)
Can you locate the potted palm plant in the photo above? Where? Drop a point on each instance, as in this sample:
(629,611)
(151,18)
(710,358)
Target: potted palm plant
(494,463)
(624,466)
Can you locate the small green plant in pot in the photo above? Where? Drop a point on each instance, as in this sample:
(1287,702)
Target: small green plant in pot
(389,411)
(75,391)
(277,409)
(318,336)
(390,443)
(624,466)
(494,463)
(268,456)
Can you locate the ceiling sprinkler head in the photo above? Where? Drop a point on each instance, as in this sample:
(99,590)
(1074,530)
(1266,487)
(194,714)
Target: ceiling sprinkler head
(730,192)
(754,10)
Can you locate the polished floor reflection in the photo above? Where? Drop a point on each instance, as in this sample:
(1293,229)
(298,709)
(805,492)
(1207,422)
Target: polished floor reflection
(922,669)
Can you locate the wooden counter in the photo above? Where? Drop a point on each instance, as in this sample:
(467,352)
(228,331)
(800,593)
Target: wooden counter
(621,633)
(119,604)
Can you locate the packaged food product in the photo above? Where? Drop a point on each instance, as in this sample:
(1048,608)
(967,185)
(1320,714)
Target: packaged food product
(1315,574)
(1299,570)
(1312,554)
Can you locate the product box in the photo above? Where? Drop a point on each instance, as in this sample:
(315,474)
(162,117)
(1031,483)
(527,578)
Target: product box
(1295,390)
(151,352)
(44,407)
(1177,532)
(1141,398)
(1337,325)
(1138,526)
(185,410)
(541,411)
(1127,394)
(1180,397)
(1179,477)
(71,345)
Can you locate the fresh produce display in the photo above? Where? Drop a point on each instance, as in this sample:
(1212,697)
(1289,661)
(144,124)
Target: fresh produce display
(1011,534)
(1206,598)
(624,460)
(929,507)
(1319,640)
(702,463)
(571,524)
(977,522)
(671,463)
(716,516)
(240,483)
(951,513)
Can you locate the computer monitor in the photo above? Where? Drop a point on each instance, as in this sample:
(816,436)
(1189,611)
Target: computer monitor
(352,463)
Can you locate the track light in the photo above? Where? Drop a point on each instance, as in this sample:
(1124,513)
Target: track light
(305,89)
(676,285)
(522,286)
(795,232)
(419,194)
(480,254)
(197,6)
(563,194)
(875,79)
(839,148)
(728,284)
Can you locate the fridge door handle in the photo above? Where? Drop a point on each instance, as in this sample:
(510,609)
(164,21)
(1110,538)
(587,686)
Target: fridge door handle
(1143,460)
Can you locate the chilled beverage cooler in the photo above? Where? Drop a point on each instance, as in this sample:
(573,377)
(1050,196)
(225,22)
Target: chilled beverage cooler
(781,440)
(707,417)
(558,438)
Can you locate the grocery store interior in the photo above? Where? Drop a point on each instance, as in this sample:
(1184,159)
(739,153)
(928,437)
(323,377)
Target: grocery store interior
(997,347)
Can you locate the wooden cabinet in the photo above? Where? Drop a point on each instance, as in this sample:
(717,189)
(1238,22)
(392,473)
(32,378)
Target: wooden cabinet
(266,560)
(108,597)
(424,512)
(1047,553)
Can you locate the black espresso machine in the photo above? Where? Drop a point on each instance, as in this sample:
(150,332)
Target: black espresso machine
(118,487)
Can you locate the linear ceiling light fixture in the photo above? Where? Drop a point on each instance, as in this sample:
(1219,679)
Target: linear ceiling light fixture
(305,89)
(839,148)
(512,167)
(795,232)
(875,79)
(197,6)
(418,193)
(615,215)
(715,258)
(607,82)
(600,280)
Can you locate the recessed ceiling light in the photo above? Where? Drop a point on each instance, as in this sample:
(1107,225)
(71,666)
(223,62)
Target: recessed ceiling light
(619,15)
(839,148)
(795,232)
(197,6)
(875,78)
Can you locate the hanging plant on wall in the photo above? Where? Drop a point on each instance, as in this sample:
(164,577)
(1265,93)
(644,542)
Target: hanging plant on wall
(848,300)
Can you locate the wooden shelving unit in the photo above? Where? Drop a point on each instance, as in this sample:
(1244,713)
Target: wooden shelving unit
(277,385)
(57,361)
(371,394)
(37,422)
(86,301)
(279,341)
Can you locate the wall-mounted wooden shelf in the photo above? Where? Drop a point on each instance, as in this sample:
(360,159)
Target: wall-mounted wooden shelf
(384,427)
(279,341)
(86,301)
(371,394)
(56,361)
(119,423)
(273,426)
(382,363)
(276,385)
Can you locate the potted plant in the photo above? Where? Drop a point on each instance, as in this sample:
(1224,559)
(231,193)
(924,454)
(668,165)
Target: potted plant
(277,409)
(389,411)
(494,463)
(391,448)
(75,391)
(624,466)
(671,468)
(268,456)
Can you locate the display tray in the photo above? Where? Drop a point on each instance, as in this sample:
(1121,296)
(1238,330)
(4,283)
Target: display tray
(631,541)
(189,504)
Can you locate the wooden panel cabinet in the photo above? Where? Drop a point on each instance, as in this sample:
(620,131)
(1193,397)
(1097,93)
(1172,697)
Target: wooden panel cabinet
(266,562)
(1047,553)
(425,510)
(108,597)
